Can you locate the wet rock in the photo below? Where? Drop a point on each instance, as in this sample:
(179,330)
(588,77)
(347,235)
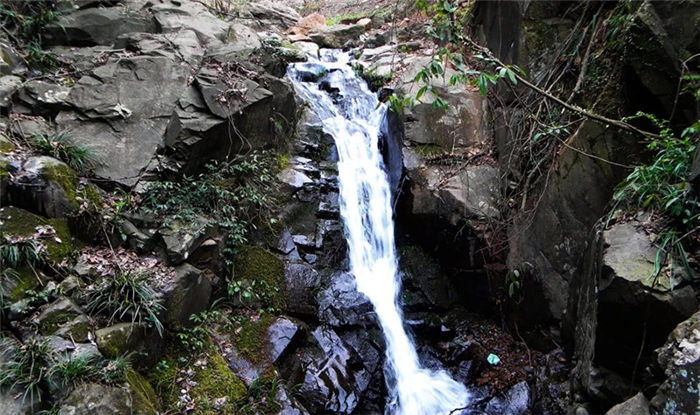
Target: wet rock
(329,207)
(336,36)
(342,305)
(679,358)
(515,401)
(293,178)
(45,186)
(301,281)
(334,377)
(637,405)
(96,27)
(182,239)
(64,318)
(285,245)
(95,399)
(9,59)
(188,294)
(281,335)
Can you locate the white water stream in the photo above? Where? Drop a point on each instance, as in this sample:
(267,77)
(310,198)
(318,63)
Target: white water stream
(365,207)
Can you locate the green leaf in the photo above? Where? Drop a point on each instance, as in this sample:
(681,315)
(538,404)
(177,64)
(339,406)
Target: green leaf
(483,88)
(512,77)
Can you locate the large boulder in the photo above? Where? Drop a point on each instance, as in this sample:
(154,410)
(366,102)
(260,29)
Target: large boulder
(342,305)
(187,294)
(45,186)
(336,36)
(97,26)
(619,311)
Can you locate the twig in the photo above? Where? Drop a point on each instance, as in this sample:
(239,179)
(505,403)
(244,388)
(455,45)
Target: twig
(586,56)
(605,120)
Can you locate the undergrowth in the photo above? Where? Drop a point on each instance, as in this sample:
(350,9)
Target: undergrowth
(33,367)
(236,195)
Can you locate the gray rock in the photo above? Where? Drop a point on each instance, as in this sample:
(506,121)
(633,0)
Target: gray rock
(342,305)
(471,193)
(182,239)
(9,59)
(636,405)
(176,16)
(301,282)
(129,102)
(336,36)
(44,98)
(96,27)
(309,48)
(679,358)
(184,43)
(293,178)
(281,335)
(188,294)
(12,402)
(285,245)
(9,84)
(271,15)
(45,186)
(95,399)
(64,318)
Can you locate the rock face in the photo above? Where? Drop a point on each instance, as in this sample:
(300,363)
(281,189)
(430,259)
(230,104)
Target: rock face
(618,307)
(94,399)
(679,358)
(188,294)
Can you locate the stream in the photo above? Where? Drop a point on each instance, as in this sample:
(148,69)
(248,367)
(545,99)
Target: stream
(351,114)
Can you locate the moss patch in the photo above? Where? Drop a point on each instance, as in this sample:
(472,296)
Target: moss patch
(6,146)
(428,150)
(214,381)
(66,177)
(264,272)
(253,338)
(90,193)
(25,281)
(142,394)
(21,223)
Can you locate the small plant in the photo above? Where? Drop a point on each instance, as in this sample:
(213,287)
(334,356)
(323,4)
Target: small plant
(79,157)
(26,366)
(17,253)
(38,58)
(126,295)
(70,369)
(115,369)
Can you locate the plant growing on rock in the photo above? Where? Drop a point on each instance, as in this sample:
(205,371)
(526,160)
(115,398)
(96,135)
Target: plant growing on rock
(127,295)
(235,194)
(79,157)
(27,366)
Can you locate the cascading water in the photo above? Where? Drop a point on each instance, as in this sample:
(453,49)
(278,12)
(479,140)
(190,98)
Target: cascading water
(352,115)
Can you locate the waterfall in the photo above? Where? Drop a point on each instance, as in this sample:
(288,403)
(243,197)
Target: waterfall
(351,114)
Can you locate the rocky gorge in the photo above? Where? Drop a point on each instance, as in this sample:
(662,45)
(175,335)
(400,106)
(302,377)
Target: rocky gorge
(172,240)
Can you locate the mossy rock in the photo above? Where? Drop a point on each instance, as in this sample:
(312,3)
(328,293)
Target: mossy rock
(65,177)
(252,341)
(16,288)
(214,381)
(19,222)
(143,397)
(263,273)
(6,145)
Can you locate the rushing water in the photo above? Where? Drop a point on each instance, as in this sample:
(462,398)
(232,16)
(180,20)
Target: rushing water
(352,115)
